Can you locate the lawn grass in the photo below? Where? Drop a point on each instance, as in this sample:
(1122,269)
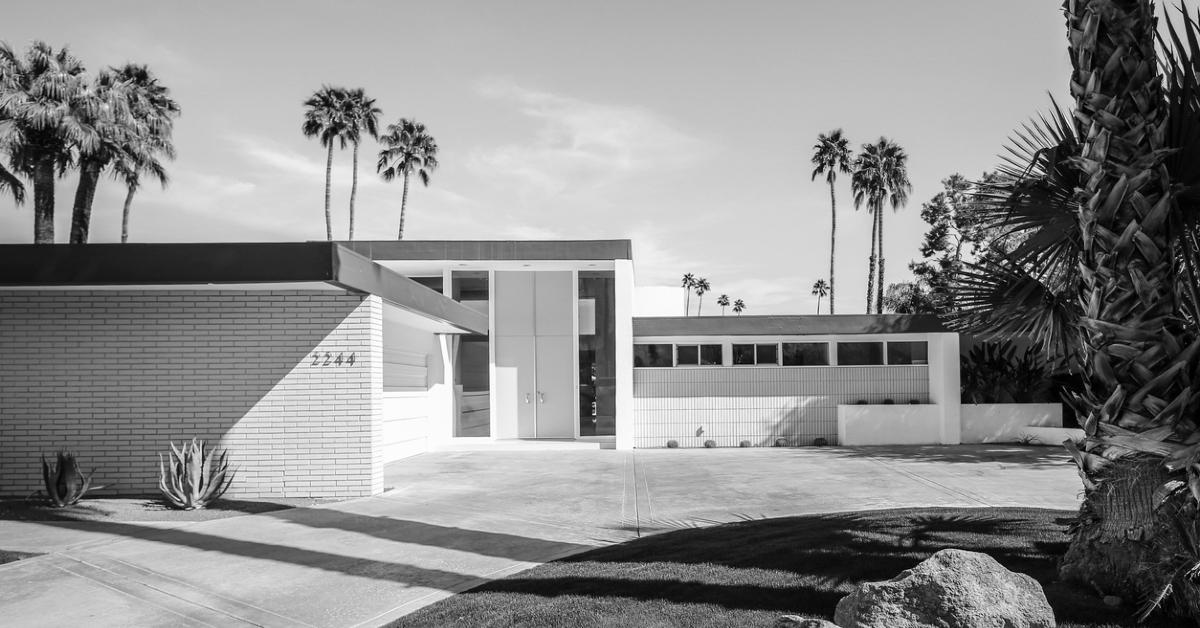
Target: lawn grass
(749,573)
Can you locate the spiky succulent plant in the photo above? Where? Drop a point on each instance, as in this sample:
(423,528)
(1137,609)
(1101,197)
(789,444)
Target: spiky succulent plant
(192,476)
(65,484)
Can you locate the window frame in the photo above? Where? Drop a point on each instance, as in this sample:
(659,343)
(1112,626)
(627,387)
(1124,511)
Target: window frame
(654,344)
(754,352)
(825,343)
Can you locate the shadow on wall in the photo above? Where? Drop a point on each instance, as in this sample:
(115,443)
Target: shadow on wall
(117,375)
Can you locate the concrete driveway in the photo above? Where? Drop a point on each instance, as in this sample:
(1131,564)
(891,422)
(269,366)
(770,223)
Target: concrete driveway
(452,520)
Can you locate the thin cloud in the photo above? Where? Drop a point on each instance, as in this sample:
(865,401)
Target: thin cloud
(579,145)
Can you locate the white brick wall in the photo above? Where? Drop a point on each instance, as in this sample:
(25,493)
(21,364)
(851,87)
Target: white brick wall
(114,375)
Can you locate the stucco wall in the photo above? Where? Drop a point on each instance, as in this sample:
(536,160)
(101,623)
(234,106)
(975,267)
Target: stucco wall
(114,375)
(761,403)
(889,425)
(1003,422)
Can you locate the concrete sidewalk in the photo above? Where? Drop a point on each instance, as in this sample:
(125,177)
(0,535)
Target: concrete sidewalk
(455,519)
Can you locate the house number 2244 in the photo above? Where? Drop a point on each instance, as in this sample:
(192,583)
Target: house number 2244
(329,359)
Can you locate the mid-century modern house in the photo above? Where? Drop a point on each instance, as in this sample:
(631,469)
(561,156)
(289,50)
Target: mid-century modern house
(318,363)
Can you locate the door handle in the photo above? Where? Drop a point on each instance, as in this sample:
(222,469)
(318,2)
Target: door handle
(541,397)
(527,399)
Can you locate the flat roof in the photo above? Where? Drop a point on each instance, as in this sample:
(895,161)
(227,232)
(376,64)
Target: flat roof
(502,250)
(215,264)
(801,325)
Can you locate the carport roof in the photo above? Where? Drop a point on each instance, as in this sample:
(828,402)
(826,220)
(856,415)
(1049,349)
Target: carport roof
(831,324)
(498,250)
(232,264)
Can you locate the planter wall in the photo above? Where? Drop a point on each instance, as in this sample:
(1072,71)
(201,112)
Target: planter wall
(862,425)
(1003,422)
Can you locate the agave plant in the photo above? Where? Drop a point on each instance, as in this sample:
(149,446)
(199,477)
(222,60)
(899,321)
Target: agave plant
(64,483)
(193,475)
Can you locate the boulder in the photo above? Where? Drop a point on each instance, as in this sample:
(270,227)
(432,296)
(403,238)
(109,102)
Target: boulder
(951,589)
(796,621)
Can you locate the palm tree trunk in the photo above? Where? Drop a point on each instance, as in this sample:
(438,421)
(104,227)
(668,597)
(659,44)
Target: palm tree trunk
(879,281)
(1140,368)
(687,301)
(699,304)
(43,202)
(871,267)
(353,189)
(403,206)
(85,193)
(818,305)
(328,183)
(832,242)
(129,192)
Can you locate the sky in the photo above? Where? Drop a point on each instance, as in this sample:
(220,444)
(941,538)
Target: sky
(686,126)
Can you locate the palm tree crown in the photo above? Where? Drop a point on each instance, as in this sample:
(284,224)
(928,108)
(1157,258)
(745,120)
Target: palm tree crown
(880,176)
(688,282)
(155,111)
(325,118)
(831,155)
(41,129)
(701,287)
(738,306)
(723,301)
(409,149)
(361,116)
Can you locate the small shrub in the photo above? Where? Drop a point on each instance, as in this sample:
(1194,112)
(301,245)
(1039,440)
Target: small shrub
(820,442)
(862,402)
(781,442)
(64,483)
(710,444)
(889,402)
(672,444)
(745,443)
(914,402)
(193,476)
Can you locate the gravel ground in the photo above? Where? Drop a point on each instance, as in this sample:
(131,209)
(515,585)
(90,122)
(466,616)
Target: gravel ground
(141,509)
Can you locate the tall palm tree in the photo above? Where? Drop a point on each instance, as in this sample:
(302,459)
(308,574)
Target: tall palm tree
(880,176)
(831,155)
(701,287)
(362,115)
(738,306)
(409,149)
(1105,205)
(819,290)
(152,106)
(689,282)
(723,301)
(38,124)
(325,118)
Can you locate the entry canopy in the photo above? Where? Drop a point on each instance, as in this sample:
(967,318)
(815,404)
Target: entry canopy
(234,266)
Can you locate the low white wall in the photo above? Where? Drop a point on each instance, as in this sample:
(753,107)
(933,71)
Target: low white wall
(907,424)
(1002,422)
(405,424)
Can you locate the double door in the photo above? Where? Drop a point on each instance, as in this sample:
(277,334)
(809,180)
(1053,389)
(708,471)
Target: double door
(534,336)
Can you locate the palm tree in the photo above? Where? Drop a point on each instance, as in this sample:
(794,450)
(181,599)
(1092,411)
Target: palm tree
(410,149)
(701,287)
(38,124)
(325,118)
(738,306)
(831,155)
(820,289)
(880,175)
(1108,221)
(11,183)
(689,282)
(362,115)
(723,301)
(156,111)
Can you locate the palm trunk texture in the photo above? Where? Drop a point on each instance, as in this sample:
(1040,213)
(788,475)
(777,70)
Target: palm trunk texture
(879,281)
(1140,393)
(328,181)
(353,190)
(832,244)
(43,202)
(85,193)
(403,206)
(129,192)
(871,262)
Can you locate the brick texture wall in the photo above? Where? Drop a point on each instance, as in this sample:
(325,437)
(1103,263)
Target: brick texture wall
(115,375)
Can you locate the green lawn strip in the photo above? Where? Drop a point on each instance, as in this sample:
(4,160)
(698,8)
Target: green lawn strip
(749,573)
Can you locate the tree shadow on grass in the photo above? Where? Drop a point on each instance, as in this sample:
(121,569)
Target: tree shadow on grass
(804,565)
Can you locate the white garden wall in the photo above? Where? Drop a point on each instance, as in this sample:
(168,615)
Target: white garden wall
(864,425)
(1003,422)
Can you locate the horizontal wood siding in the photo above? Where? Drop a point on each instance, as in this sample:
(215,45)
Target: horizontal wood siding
(405,370)
(405,424)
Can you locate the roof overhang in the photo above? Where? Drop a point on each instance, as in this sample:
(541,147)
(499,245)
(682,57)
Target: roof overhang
(803,325)
(241,266)
(493,250)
